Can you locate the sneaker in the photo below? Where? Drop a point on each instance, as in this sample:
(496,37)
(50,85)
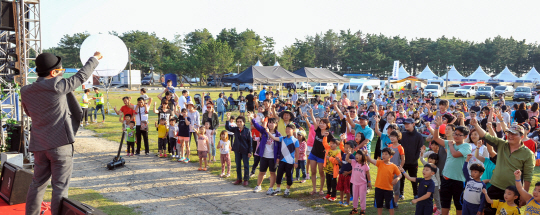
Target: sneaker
(131,154)
(87,123)
(186,160)
(351,199)
(160,155)
(345,204)
(287,193)
(237,182)
(146,153)
(396,206)
(340,203)
(276,191)
(307,174)
(164,155)
(332,199)
(401,197)
(181,159)
(296,179)
(326,197)
(103,121)
(257,189)
(138,154)
(251,174)
(245,184)
(270,191)
(303,181)
(438,212)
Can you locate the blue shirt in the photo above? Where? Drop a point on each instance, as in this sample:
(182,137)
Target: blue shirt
(262,95)
(346,166)
(385,141)
(425,186)
(290,143)
(368,133)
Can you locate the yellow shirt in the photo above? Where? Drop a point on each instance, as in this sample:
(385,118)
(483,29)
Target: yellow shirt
(532,207)
(505,209)
(162,131)
(329,168)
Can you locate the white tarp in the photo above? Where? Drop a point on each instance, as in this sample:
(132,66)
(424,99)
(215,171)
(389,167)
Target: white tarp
(479,75)
(453,75)
(506,76)
(532,75)
(427,74)
(113,49)
(259,63)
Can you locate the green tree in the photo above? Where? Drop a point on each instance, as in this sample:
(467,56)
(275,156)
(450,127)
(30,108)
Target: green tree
(213,58)
(69,49)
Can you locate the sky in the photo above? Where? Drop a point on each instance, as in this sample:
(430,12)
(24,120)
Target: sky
(289,20)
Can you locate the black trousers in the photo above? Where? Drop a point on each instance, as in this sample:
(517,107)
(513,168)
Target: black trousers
(144,134)
(130,147)
(85,114)
(331,185)
(287,169)
(378,150)
(172,145)
(412,170)
(231,138)
(256,160)
(253,146)
(194,134)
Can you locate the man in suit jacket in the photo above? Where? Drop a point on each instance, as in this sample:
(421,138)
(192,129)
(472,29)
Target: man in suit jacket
(56,115)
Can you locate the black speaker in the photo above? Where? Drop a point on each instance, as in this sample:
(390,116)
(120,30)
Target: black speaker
(14,138)
(7,21)
(72,207)
(14,183)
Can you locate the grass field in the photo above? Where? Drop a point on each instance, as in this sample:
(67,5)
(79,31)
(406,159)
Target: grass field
(111,130)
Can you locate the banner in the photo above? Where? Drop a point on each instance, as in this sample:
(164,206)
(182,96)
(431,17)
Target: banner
(395,70)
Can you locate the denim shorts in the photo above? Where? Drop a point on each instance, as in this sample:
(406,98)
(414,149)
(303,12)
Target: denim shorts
(315,158)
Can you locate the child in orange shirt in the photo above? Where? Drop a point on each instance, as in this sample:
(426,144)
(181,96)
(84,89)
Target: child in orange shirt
(385,180)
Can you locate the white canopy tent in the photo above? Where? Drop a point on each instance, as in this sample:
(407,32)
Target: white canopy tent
(532,76)
(258,63)
(506,76)
(276,64)
(402,73)
(427,74)
(478,75)
(453,75)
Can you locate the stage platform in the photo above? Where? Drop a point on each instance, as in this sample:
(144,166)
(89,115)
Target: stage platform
(17,209)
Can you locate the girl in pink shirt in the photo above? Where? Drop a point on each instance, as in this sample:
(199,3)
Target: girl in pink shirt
(360,179)
(311,139)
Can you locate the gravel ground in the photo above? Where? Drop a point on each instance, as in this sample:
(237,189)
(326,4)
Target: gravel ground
(159,186)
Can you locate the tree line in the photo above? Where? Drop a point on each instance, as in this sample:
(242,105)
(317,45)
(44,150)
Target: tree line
(200,54)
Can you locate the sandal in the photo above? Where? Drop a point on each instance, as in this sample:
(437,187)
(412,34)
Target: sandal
(199,169)
(312,192)
(204,169)
(354,211)
(321,192)
(226,176)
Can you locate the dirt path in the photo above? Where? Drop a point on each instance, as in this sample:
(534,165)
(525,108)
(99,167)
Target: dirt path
(158,186)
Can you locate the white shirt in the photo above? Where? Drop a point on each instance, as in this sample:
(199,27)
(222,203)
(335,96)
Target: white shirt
(224,147)
(377,93)
(269,149)
(182,102)
(537,98)
(294,97)
(143,116)
(195,120)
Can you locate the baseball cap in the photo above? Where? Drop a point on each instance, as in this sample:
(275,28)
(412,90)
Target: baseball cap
(364,117)
(408,121)
(264,87)
(516,129)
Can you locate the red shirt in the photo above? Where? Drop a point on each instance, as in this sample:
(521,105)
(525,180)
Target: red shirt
(531,145)
(127,110)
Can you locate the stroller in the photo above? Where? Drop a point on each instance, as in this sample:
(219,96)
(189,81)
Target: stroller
(197,99)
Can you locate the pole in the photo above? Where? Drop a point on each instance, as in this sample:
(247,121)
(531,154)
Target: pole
(129,79)
(446,82)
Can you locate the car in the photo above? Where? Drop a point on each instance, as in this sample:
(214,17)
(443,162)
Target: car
(485,92)
(297,85)
(150,79)
(323,88)
(435,90)
(214,82)
(466,91)
(453,87)
(504,90)
(243,86)
(523,93)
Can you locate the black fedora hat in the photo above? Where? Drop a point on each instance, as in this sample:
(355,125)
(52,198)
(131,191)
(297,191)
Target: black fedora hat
(46,62)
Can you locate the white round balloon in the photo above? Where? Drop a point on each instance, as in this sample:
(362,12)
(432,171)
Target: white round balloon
(113,49)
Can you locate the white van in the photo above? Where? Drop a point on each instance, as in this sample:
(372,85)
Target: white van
(357,88)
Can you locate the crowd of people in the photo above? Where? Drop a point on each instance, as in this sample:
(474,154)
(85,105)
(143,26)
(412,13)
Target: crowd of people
(480,158)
